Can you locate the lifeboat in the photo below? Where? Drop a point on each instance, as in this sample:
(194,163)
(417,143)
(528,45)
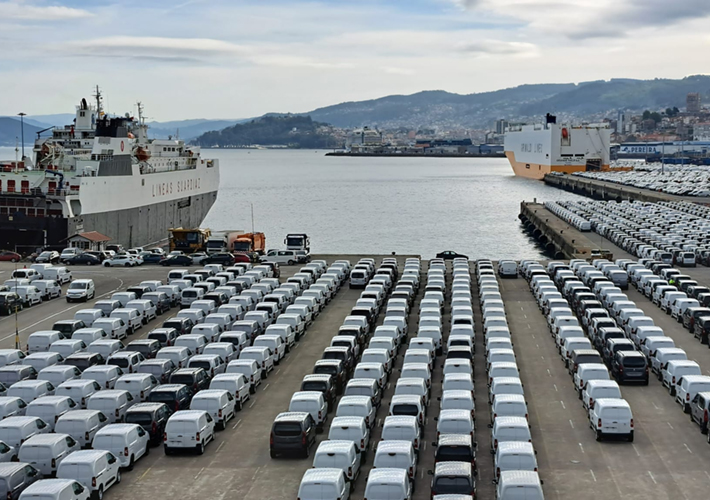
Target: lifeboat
(142,154)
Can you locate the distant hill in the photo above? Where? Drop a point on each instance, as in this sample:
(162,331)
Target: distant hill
(447,110)
(10,131)
(188,129)
(293,131)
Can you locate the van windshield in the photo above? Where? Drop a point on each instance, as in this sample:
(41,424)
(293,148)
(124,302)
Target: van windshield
(314,386)
(454,454)
(588,358)
(326,370)
(205,365)
(121,362)
(77,286)
(451,485)
(635,362)
(181,379)
(189,293)
(411,410)
(287,429)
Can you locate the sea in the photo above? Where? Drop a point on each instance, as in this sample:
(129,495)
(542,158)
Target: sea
(351,205)
(346,205)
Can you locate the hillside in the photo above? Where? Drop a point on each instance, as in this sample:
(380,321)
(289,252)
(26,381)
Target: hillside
(188,129)
(448,110)
(10,131)
(293,131)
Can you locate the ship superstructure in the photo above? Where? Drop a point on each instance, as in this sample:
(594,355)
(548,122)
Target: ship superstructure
(536,150)
(103,174)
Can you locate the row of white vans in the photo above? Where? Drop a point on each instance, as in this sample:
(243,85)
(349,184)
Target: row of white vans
(516,468)
(608,413)
(107,400)
(37,283)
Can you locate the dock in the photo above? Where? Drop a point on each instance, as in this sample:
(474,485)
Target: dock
(611,191)
(668,459)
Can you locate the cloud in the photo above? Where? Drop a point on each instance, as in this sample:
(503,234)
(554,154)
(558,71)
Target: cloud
(497,47)
(399,71)
(22,11)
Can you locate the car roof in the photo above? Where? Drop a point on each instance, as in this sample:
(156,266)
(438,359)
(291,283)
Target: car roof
(519,477)
(322,475)
(453,469)
(393,446)
(291,416)
(455,440)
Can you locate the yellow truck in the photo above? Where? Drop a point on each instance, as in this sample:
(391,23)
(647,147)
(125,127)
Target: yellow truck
(188,240)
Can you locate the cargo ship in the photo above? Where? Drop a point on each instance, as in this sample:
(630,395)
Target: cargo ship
(536,150)
(103,174)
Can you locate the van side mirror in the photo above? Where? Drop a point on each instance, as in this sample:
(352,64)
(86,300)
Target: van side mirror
(434,444)
(439,398)
(436,419)
(542,481)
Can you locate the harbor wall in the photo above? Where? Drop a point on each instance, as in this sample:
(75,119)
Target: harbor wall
(147,225)
(558,237)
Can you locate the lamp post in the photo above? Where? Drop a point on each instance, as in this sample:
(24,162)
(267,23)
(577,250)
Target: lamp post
(22,128)
(17,332)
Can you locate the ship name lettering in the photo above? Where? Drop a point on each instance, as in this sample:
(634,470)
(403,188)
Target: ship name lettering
(165,188)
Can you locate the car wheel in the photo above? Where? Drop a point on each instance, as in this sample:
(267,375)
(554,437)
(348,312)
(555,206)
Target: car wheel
(100,493)
(167,450)
(118,476)
(599,435)
(272,454)
(107,264)
(201,449)
(307,451)
(147,449)
(289,263)
(13,259)
(631,437)
(131,463)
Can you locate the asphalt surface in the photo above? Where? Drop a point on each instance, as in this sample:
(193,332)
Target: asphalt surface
(668,458)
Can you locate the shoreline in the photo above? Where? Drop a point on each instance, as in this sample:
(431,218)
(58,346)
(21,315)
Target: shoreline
(415,155)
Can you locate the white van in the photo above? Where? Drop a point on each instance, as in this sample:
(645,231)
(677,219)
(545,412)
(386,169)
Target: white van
(454,422)
(458,400)
(40,341)
(262,355)
(29,294)
(458,382)
(509,405)
(587,372)
(41,360)
(388,483)
(396,455)
(48,288)
(130,317)
(236,383)
(82,425)
(50,408)
(139,385)
(504,385)
(611,417)
(105,375)
(55,489)
(127,442)
(274,343)
(509,429)
(179,355)
(113,403)
(353,429)
(417,370)
(688,387)
(78,390)
(89,335)
(324,484)
(98,470)
(45,452)
(514,455)
(80,290)
(673,372)
(190,295)
(519,484)
(105,347)
(596,389)
(249,368)
(58,374)
(16,430)
(189,429)
(357,406)
(311,402)
(11,407)
(29,390)
(88,316)
(59,274)
(344,455)
(217,402)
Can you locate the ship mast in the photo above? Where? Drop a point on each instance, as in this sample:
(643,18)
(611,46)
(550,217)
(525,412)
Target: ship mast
(99,106)
(142,132)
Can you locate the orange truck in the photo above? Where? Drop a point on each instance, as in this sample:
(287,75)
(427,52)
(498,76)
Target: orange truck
(249,243)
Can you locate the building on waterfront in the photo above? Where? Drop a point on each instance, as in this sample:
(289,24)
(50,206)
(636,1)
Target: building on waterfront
(701,132)
(693,103)
(501,126)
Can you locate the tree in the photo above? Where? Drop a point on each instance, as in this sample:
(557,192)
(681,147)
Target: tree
(655,116)
(646,115)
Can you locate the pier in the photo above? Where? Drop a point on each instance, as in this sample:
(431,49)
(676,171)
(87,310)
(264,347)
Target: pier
(604,190)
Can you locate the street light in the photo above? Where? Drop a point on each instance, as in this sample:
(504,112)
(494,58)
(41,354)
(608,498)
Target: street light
(22,126)
(17,333)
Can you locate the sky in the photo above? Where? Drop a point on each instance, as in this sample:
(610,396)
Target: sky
(243,58)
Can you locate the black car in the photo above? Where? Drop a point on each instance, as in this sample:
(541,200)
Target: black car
(67,327)
(630,366)
(9,302)
(16,477)
(160,300)
(83,258)
(450,254)
(177,260)
(455,448)
(195,379)
(139,290)
(83,360)
(219,298)
(320,383)
(226,259)
(152,417)
(334,368)
(182,325)
(152,258)
(176,396)
(292,432)
(165,336)
(147,347)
